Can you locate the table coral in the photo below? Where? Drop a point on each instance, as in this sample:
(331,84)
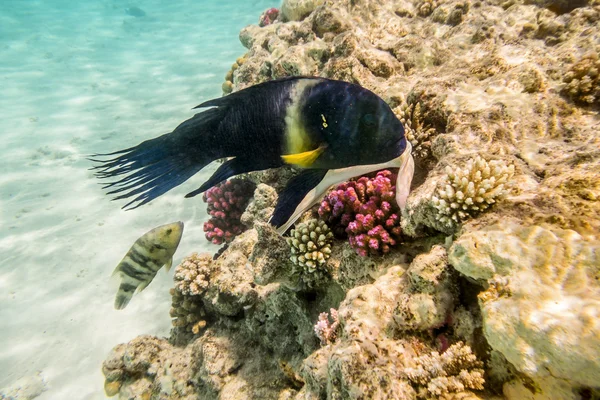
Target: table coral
(310,243)
(467,191)
(366,210)
(226,203)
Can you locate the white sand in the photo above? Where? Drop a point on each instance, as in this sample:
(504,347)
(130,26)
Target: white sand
(78,78)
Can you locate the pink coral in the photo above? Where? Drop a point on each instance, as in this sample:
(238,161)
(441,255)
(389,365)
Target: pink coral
(226,203)
(326,327)
(365,209)
(268,17)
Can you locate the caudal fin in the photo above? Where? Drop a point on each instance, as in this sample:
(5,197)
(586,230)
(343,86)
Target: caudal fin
(156,166)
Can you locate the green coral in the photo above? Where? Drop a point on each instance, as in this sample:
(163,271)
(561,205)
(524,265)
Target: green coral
(583,80)
(310,243)
(465,192)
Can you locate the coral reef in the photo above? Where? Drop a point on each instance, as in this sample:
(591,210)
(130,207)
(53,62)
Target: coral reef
(417,132)
(366,210)
(226,203)
(268,17)
(541,307)
(583,80)
(227,86)
(501,88)
(327,325)
(467,191)
(453,371)
(310,243)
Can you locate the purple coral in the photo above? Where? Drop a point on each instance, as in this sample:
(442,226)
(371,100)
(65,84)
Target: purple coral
(268,17)
(365,209)
(226,203)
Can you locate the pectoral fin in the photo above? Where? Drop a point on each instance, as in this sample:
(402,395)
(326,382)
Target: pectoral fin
(143,285)
(169,264)
(294,201)
(296,195)
(305,159)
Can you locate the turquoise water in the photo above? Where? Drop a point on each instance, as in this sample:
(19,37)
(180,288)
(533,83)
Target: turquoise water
(78,78)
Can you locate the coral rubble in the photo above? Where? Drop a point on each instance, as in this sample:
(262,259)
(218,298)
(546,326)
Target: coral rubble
(494,289)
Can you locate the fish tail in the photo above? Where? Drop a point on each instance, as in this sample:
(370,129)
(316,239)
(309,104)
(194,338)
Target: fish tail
(156,166)
(124,295)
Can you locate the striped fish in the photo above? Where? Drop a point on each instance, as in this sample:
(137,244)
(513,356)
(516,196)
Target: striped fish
(149,253)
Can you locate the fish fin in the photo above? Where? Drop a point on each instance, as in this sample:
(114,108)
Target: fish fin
(156,166)
(305,159)
(169,264)
(405,176)
(260,89)
(228,169)
(294,193)
(124,295)
(143,285)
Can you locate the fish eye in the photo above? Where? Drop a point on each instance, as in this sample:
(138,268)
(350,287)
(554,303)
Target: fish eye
(369,119)
(169,231)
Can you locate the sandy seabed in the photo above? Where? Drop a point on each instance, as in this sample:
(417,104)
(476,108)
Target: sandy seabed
(78,78)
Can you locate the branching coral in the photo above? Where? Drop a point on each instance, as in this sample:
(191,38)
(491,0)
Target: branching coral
(191,276)
(455,370)
(417,132)
(191,280)
(226,203)
(583,80)
(326,326)
(311,247)
(268,17)
(366,210)
(464,192)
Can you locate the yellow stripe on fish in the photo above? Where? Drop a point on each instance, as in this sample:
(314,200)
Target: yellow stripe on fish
(299,148)
(147,255)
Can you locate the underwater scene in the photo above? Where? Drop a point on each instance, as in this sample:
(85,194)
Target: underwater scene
(300,199)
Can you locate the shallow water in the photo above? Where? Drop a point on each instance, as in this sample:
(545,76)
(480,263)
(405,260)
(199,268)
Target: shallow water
(78,78)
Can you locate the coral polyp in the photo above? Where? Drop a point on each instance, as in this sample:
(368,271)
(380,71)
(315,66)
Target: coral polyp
(226,203)
(365,209)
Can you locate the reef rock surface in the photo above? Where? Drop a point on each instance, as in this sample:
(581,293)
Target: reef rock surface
(494,290)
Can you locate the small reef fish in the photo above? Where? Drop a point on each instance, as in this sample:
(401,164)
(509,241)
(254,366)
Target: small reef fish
(332,130)
(143,260)
(135,12)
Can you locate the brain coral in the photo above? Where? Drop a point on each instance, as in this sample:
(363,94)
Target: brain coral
(464,192)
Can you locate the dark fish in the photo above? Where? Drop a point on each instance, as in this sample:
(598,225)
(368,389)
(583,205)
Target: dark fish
(135,12)
(149,253)
(333,130)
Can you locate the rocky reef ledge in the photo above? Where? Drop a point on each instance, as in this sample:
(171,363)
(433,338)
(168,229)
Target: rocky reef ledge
(491,286)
